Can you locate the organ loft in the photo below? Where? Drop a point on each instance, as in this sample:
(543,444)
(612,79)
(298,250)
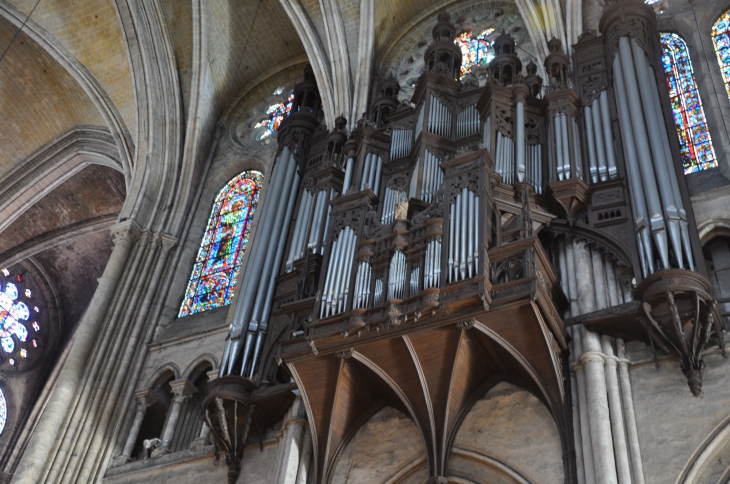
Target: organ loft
(494,250)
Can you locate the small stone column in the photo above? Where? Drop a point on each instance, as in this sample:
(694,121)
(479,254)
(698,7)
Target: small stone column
(204,436)
(144,399)
(181,389)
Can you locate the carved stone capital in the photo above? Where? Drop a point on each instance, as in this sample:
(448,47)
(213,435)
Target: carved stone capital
(182,389)
(144,398)
(128,231)
(466,324)
(437,480)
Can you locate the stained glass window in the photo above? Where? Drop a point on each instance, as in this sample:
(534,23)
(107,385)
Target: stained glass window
(721,39)
(15,314)
(276,114)
(475,51)
(3,411)
(694,138)
(214,276)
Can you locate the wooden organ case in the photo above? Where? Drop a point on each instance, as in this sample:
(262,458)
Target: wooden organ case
(425,257)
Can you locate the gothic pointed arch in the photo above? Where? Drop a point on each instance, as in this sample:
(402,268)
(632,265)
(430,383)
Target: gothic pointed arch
(721,42)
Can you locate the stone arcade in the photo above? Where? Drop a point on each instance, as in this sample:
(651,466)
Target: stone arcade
(363,241)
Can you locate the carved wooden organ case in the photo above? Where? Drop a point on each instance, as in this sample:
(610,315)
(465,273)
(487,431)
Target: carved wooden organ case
(425,254)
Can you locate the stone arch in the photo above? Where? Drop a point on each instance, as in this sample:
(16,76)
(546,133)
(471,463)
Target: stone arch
(159,373)
(193,369)
(709,462)
(495,435)
(387,445)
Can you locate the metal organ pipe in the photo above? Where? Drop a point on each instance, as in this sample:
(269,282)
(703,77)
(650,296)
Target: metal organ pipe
(269,300)
(578,155)
(397,276)
(391,199)
(600,147)
(663,173)
(463,236)
(608,136)
(684,226)
(648,178)
(566,145)
(467,122)
(520,140)
(349,169)
(419,122)
(402,140)
(588,119)
(337,284)
(362,285)
(487,138)
(641,214)
(284,179)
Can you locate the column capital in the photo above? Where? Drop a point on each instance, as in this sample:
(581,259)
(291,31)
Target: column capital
(145,398)
(127,230)
(167,241)
(213,375)
(182,389)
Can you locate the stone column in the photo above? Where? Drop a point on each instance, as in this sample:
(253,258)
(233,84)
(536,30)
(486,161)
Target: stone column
(617,415)
(60,402)
(628,403)
(305,459)
(143,398)
(182,389)
(290,444)
(593,360)
(204,436)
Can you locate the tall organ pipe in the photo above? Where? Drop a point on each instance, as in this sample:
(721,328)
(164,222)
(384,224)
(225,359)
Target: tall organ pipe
(588,119)
(684,226)
(608,135)
(600,147)
(520,141)
(257,259)
(655,142)
(566,146)
(246,295)
(641,214)
(264,322)
(651,191)
(349,168)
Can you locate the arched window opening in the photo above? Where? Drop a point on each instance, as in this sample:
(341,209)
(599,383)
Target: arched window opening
(475,50)
(275,115)
(191,418)
(721,40)
(689,117)
(213,280)
(18,318)
(155,415)
(717,255)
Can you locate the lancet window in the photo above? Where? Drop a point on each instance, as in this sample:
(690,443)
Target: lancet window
(214,276)
(689,117)
(275,115)
(475,50)
(18,323)
(721,40)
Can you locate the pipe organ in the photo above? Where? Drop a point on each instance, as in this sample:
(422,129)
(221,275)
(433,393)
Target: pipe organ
(471,213)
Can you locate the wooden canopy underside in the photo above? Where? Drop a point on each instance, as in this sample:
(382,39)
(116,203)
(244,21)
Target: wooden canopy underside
(433,371)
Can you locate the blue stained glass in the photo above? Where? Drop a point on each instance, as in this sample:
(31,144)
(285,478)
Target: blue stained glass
(3,411)
(213,279)
(695,142)
(12,315)
(276,114)
(7,343)
(721,40)
(475,51)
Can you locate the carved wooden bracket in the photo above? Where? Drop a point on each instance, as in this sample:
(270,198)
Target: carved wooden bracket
(572,195)
(679,315)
